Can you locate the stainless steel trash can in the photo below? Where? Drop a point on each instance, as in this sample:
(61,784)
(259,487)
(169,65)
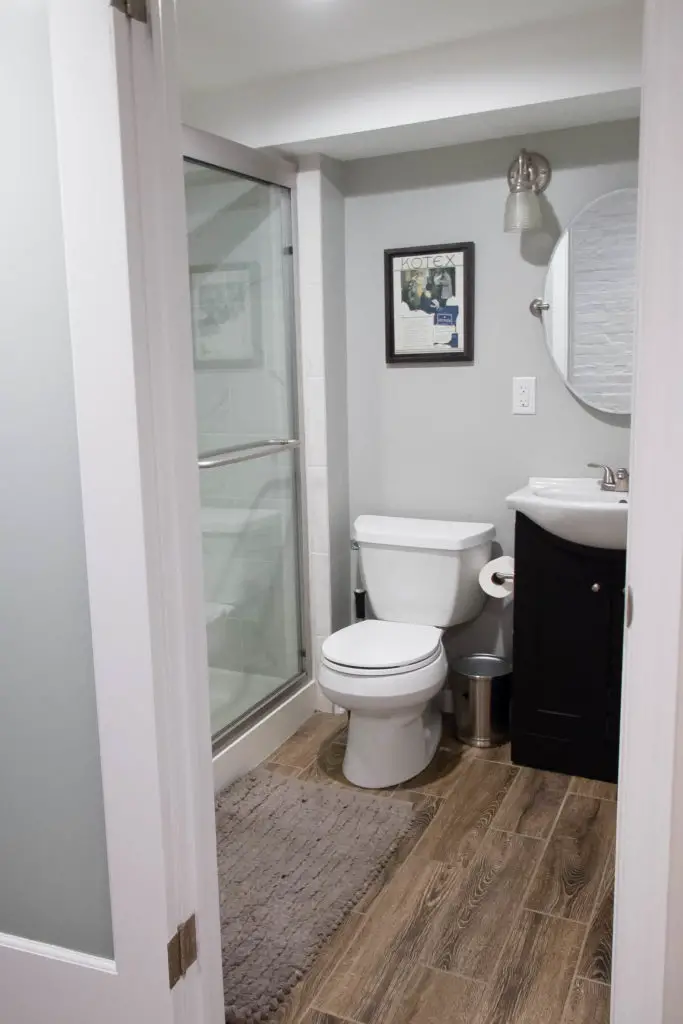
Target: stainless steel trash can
(481,699)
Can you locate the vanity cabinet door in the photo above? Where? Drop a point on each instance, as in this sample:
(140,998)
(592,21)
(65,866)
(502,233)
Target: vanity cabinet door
(567,666)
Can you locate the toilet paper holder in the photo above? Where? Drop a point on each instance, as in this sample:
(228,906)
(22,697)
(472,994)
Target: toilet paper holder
(502,577)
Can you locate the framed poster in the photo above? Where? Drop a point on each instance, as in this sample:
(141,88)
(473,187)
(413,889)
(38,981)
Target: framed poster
(226,316)
(429,302)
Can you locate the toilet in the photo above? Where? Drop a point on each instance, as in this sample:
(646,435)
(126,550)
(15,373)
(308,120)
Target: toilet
(421,575)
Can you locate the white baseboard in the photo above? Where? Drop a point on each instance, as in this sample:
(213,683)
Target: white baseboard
(254,745)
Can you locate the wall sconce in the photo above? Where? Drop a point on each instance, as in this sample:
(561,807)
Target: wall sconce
(528,174)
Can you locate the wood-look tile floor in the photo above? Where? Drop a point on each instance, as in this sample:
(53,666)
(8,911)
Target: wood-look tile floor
(496,909)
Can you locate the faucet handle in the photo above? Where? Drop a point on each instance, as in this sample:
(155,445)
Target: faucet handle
(608,482)
(622,479)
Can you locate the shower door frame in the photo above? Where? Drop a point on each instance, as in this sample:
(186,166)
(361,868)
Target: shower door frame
(226,155)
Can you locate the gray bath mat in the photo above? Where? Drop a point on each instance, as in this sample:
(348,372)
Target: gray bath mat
(293,858)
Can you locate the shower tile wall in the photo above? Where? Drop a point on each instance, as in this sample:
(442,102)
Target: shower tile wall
(246,508)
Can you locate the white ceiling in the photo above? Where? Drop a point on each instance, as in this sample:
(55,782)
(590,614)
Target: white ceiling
(356,78)
(224,43)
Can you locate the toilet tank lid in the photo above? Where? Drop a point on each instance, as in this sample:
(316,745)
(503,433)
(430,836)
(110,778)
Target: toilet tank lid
(440,535)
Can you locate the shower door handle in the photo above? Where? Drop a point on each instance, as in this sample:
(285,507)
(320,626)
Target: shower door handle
(243,452)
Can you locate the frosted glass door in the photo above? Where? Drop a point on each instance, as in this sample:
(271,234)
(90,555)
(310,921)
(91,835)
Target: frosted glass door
(53,858)
(239,233)
(95,869)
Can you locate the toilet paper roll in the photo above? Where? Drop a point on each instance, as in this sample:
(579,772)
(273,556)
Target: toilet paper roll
(503,564)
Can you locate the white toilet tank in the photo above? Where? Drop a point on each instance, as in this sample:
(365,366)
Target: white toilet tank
(423,570)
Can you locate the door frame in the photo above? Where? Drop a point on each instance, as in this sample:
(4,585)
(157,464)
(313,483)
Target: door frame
(647,982)
(152,169)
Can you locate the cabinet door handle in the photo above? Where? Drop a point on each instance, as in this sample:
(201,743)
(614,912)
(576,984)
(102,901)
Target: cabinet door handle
(595,588)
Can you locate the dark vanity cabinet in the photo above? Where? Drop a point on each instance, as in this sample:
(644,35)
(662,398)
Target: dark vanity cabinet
(568,634)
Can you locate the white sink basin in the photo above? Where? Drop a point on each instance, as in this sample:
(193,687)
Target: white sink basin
(575,509)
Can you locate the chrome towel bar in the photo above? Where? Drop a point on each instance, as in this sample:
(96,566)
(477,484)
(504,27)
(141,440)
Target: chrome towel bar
(243,452)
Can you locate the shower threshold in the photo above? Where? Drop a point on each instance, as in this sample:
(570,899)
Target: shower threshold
(258,708)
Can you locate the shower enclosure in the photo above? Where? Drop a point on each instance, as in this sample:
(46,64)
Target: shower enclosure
(239,220)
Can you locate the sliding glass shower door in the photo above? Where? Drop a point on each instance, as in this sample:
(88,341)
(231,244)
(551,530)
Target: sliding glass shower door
(239,232)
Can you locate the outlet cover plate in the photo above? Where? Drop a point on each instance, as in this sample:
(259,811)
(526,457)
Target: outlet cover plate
(524,396)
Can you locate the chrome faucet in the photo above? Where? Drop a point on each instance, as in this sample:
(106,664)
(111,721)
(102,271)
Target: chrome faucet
(612,479)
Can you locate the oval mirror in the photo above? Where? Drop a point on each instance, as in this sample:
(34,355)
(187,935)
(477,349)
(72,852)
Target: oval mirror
(590,291)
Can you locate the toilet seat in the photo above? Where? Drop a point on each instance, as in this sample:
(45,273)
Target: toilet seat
(378,673)
(379,664)
(376,690)
(377,648)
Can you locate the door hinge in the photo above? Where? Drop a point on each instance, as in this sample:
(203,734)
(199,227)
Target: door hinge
(288,250)
(135,9)
(182,951)
(629,607)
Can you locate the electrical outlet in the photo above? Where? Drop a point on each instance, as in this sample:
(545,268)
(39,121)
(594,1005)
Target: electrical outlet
(524,396)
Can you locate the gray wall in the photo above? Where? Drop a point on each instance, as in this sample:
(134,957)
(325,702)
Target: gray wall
(442,442)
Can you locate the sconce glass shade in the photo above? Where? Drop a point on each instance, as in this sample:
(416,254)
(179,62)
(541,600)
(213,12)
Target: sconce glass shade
(522,211)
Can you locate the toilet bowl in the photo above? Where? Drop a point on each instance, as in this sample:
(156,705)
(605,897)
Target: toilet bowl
(421,576)
(386,675)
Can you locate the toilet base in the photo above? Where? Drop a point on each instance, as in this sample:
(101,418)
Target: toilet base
(384,750)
